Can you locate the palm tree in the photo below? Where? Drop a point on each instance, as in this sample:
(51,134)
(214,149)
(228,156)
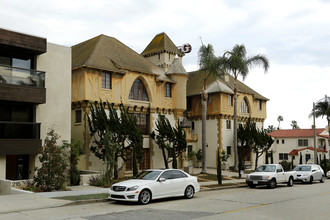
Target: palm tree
(209,66)
(294,124)
(238,64)
(279,119)
(322,109)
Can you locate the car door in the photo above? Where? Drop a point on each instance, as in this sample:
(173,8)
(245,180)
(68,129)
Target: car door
(165,188)
(280,174)
(318,172)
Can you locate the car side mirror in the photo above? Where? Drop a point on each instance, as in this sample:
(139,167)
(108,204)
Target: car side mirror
(162,179)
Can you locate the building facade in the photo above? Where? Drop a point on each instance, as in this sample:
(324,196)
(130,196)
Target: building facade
(289,145)
(35,95)
(148,84)
(220,114)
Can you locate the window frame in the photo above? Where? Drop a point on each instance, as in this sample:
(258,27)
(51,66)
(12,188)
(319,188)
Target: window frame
(303,142)
(138,91)
(78,116)
(106,80)
(230,100)
(283,156)
(168,90)
(244,107)
(228,124)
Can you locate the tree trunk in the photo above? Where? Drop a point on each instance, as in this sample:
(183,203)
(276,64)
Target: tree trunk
(235,123)
(204,112)
(164,157)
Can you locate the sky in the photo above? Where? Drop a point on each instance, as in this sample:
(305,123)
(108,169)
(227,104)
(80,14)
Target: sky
(293,34)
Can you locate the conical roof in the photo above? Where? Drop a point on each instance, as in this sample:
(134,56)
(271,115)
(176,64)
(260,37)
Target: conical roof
(161,43)
(176,67)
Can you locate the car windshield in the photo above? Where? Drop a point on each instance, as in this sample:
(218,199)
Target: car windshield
(302,168)
(148,175)
(266,168)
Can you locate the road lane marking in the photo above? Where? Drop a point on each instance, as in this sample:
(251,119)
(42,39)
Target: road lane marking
(253,207)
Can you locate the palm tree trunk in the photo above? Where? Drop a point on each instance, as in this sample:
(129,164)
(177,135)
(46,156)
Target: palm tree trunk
(235,123)
(204,110)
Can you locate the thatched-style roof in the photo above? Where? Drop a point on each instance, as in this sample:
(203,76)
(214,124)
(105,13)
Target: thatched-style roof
(217,84)
(108,53)
(159,44)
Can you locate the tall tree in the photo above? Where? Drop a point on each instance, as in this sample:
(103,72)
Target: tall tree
(294,124)
(270,129)
(237,63)
(114,132)
(322,109)
(209,66)
(279,119)
(169,139)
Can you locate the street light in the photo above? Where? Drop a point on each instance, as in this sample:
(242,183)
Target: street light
(315,153)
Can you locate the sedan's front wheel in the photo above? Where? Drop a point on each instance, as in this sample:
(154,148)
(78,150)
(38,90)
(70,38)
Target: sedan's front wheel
(144,197)
(189,192)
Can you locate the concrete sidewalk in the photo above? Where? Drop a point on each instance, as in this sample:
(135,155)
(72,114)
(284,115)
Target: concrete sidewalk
(22,200)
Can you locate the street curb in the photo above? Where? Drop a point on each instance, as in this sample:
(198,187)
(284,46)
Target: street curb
(89,201)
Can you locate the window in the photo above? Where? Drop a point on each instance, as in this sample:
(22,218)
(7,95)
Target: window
(308,157)
(192,125)
(142,122)
(106,80)
(283,156)
(168,90)
(230,100)
(228,124)
(244,107)
(229,150)
(189,149)
(78,116)
(138,91)
(282,141)
(259,104)
(277,141)
(302,142)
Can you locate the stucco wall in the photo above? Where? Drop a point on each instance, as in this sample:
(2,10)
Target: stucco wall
(56,112)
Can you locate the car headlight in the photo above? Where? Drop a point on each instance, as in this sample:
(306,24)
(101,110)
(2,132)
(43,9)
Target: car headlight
(132,188)
(265,177)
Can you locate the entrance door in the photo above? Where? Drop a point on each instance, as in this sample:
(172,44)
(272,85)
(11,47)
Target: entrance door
(17,167)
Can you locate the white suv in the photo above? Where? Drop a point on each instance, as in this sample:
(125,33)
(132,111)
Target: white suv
(309,173)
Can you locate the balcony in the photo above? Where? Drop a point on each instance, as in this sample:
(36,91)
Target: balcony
(23,77)
(22,85)
(19,130)
(19,137)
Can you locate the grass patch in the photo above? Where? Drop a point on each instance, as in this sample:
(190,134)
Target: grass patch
(84,197)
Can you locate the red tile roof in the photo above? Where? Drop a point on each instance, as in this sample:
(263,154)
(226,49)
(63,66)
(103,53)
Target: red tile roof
(297,133)
(296,151)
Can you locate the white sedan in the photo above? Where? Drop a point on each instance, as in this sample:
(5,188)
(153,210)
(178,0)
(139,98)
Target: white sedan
(309,173)
(155,184)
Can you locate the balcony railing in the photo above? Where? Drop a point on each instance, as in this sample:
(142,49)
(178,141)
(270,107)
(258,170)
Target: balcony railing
(23,77)
(19,130)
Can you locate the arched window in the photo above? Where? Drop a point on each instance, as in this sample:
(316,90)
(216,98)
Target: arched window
(244,106)
(138,91)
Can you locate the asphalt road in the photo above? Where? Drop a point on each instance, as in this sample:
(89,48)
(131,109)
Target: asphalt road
(302,201)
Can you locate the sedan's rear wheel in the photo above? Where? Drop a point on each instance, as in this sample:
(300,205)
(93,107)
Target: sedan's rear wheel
(144,197)
(189,192)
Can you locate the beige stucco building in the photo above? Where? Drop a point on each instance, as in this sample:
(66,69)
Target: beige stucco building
(149,84)
(220,113)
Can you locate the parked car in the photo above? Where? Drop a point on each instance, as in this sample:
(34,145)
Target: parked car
(309,173)
(155,184)
(270,175)
(328,174)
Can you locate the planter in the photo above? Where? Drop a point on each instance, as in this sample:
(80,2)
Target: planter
(198,164)
(188,169)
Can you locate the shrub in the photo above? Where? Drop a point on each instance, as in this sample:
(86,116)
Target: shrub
(286,165)
(76,150)
(98,180)
(50,176)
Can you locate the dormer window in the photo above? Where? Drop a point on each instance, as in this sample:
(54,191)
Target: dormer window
(168,90)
